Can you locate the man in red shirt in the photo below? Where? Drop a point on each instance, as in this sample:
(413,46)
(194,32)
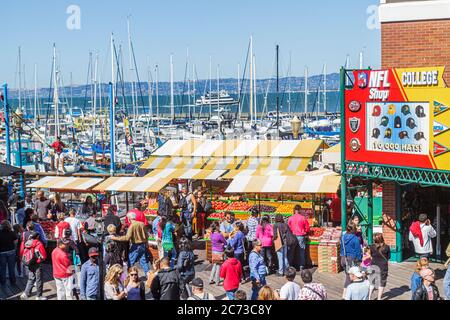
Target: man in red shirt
(299,226)
(58,147)
(63,270)
(140,216)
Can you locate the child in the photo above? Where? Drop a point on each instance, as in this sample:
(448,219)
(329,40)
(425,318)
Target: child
(366,260)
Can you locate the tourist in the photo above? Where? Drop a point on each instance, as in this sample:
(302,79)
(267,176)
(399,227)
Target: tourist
(381,253)
(4,194)
(90,224)
(61,226)
(57,206)
(268,294)
(140,216)
(366,260)
(350,254)
(42,205)
(4,211)
(311,290)
(420,233)
(290,290)
(300,228)
(227,226)
(112,218)
(416,279)
(58,147)
(336,209)
(89,207)
(114,250)
(287,240)
(134,288)
(236,242)
(186,266)
(188,205)
(29,202)
(218,243)
(153,273)
(198,292)
(63,270)
(8,240)
(202,204)
(20,212)
(252,225)
(38,228)
(76,229)
(356,220)
(447,274)
(167,283)
(18,230)
(428,289)
(32,247)
(155,226)
(114,289)
(166,231)
(359,288)
(29,212)
(231,273)
(264,233)
(89,278)
(240,295)
(138,239)
(258,269)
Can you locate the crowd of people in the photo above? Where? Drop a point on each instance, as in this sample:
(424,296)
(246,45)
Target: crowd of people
(97,257)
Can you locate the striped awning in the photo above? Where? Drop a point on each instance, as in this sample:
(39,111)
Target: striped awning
(228,163)
(156,162)
(133,184)
(332,155)
(194,174)
(239,148)
(322,181)
(286,164)
(66,183)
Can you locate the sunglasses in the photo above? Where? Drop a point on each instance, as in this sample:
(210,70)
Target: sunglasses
(133,274)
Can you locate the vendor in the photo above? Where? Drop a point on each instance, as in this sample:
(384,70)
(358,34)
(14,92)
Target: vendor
(336,210)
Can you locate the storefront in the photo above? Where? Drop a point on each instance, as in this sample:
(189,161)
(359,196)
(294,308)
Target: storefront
(397,137)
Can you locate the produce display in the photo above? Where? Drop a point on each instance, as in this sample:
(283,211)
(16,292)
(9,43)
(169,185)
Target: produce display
(239,206)
(286,208)
(219,205)
(151,212)
(316,232)
(217,215)
(264,208)
(49,229)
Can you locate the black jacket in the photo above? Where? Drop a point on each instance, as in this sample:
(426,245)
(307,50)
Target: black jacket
(185,265)
(114,220)
(166,285)
(422,294)
(286,235)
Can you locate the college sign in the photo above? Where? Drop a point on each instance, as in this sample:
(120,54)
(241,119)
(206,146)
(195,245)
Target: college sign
(403,118)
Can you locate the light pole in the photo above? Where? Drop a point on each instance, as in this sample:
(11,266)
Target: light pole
(18,121)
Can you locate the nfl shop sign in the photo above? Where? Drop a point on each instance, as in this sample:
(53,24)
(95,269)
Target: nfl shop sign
(399,117)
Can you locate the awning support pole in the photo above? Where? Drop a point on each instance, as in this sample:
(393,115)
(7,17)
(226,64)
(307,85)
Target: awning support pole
(370,212)
(343,171)
(398,223)
(6,114)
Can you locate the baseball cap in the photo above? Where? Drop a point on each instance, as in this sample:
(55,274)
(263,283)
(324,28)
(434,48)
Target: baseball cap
(197,282)
(384,121)
(397,122)
(406,110)
(403,134)
(376,111)
(376,133)
(391,109)
(411,123)
(93,252)
(355,271)
(420,111)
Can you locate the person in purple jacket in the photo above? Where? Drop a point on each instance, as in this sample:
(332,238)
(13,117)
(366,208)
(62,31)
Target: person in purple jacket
(218,243)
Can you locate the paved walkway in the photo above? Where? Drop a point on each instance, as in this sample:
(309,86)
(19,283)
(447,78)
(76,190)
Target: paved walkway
(397,286)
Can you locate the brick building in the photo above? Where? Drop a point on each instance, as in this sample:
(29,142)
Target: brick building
(414,33)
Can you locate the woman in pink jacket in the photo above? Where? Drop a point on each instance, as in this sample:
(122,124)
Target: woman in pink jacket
(264,233)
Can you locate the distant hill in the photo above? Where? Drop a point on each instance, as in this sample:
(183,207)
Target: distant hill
(229,84)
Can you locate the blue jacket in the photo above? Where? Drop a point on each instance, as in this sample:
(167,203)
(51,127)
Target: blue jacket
(416,282)
(237,242)
(40,231)
(89,280)
(352,246)
(257,267)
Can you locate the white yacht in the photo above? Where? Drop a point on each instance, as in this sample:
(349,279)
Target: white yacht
(222,98)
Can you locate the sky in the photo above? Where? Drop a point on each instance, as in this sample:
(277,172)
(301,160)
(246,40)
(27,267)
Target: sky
(310,32)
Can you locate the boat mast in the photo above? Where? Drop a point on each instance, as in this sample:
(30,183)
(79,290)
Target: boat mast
(157,93)
(193,87)
(112,104)
(361,59)
(306,90)
(172,105)
(131,69)
(278,90)
(289,82)
(20,77)
(210,86)
(347,66)
(94,113)
(35,96)
(55,93)
(325,87)
(218,90)
(150,88)
(255,110)
(251,80)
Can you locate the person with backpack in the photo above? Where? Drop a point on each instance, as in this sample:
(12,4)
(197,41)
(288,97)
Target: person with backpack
(420,233)
(90,276)
(381,253)
(231,273)
(185,265)
(63,270)
(32,253)
(166,284)
(203,208)
(198,292)
(61,226)
(283,235)
(188,206)
(166,233)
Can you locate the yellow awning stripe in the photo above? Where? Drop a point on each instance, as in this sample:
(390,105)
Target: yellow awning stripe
(66,183)
(133,184)
(194,174)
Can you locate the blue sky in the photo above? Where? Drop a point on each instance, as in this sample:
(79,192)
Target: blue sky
(313,32)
